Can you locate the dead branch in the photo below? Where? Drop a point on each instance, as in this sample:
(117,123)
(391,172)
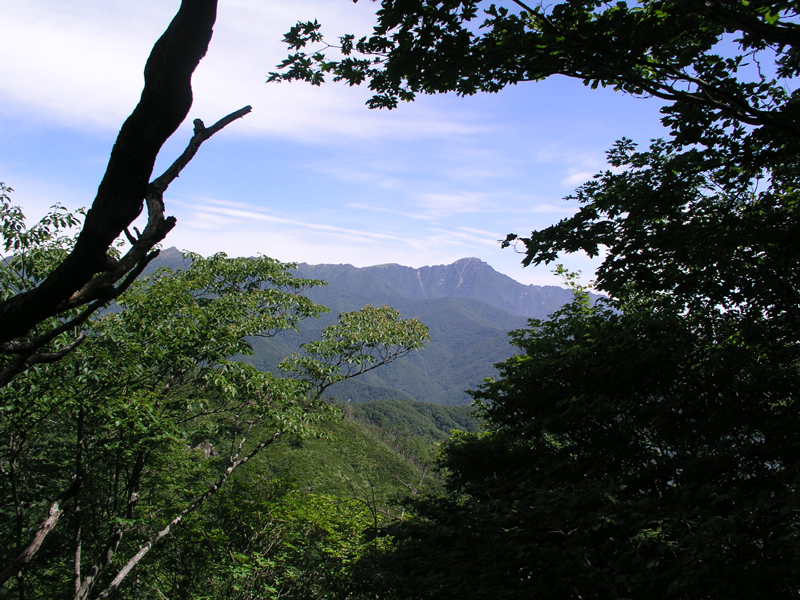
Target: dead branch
(164,104)
(101,288)
(178,519)
(53,515)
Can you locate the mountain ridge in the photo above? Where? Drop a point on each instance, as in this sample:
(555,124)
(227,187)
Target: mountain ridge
(464,278)
(468,306)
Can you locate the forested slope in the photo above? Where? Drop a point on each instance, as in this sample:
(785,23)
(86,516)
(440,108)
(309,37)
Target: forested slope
(468,306)
(305,510)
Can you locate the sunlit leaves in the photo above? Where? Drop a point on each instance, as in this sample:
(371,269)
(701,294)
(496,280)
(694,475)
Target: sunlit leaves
(359,342)
(154,379)
(30,253)
(156,412)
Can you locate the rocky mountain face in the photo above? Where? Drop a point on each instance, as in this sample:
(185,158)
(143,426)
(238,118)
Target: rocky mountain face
(465,278)
(468,306)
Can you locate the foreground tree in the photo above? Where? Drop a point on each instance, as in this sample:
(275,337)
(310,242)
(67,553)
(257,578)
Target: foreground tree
(91,275)
(641,448)
(291,526)
(629,453)
(109,449)
(665,49)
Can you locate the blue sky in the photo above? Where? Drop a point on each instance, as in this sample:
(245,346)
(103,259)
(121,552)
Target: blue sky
(311,175)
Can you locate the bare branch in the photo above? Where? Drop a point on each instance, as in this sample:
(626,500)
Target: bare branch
(201,134)
(165,102)
(27,350)
(53,515)
(101,288)
(178,519)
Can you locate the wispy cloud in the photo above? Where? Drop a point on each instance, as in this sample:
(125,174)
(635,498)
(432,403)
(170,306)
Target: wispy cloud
(81,64)
(445,205)
(79,67)
(492,234)
(554,209)
(249,230)
(408,215)
(577,178)
(320,177)
(376,172)
(464,234)
(208,221)
(236,211)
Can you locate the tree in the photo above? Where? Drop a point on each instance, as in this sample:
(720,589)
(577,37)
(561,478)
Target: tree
(628,454)
(109,449)
(641,447)
(90,276)
(670,226)
(264,539)
(666,49)
(356,345)
(292,526)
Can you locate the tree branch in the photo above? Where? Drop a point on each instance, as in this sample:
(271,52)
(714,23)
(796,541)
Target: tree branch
(201,134)
(27,350)
(164,104)
(784,33)
(101,288)
(53,515)
(178,519)
(84,588)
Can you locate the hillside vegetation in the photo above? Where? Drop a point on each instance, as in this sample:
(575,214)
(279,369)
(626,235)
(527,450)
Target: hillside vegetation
(468,307)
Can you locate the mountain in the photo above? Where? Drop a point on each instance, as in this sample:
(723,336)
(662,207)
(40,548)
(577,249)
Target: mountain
(377,443)
(171,258)
(467,338)
(466,278)
(468,307)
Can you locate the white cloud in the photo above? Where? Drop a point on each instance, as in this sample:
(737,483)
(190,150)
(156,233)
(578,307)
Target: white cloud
(462,235)
(78,65)
(235,212)
(246,230)
(408,215)
(445,205)
(577,178)
(81,64)
(350,185)
(374,172)
(202,221)
(492,234)
(546,208)
(37,196)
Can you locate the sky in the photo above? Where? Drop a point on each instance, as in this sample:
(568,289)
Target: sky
(311,175)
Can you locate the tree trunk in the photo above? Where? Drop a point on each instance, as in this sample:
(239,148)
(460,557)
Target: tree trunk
(164,104)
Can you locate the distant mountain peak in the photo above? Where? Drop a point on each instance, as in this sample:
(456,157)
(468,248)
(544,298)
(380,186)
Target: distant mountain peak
(465,278)
(468,277)
(468,306)
(470,260)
